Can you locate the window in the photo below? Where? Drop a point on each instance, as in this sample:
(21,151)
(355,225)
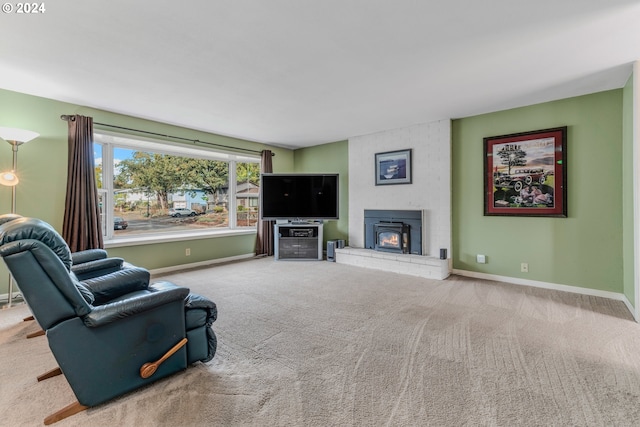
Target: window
(247,192)
(150,188)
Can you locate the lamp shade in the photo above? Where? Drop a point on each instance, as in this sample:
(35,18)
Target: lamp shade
(9,179)
(18,135)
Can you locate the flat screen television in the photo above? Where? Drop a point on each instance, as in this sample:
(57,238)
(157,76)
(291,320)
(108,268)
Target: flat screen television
(299,196)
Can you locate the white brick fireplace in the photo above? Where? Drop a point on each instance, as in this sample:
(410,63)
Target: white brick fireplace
(430,191)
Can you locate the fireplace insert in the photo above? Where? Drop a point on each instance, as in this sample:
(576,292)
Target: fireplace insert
(412,220)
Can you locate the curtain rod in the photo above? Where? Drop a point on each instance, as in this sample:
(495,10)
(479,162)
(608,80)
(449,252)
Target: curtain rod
(67,118)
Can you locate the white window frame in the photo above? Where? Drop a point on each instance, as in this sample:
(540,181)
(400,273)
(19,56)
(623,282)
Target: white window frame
(111,140)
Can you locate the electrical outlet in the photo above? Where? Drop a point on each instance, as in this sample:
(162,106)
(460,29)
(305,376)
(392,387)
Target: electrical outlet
(481,259)
(187,252)
(524,267)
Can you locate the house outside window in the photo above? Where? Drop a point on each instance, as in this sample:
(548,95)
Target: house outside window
(148,188)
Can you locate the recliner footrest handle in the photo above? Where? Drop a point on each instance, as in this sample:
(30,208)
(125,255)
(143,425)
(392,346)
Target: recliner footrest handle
(150,368)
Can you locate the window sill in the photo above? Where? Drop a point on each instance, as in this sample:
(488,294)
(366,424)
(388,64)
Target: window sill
(150,239)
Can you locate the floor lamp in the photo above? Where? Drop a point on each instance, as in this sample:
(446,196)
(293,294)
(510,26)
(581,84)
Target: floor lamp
(15,137)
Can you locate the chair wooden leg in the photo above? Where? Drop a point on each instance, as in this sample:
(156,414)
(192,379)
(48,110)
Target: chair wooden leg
(26,319)
(50,374)
(65,412)
(36,334)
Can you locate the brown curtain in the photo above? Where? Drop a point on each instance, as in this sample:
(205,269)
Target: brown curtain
(264,242)
(81,227)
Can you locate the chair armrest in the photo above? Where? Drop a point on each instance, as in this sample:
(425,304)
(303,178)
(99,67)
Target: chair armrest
(95,268)
(88,255)
(108,313)
(113,285)
(194,301)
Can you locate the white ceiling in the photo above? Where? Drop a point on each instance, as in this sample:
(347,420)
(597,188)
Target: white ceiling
(298,73)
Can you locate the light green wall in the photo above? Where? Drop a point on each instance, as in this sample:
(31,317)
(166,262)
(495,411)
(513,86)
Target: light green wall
(628,252)
(584,249)
(329,158)
(173,253)
(42,166)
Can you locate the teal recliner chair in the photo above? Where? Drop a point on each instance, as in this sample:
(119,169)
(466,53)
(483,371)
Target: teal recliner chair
(111,334)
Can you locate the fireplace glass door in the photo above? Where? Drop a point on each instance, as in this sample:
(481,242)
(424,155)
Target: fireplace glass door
(392,237)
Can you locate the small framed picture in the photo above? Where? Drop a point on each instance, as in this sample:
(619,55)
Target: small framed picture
(393,167)
(525,174)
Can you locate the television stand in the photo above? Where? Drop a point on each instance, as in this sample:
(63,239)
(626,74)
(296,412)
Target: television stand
(298,241)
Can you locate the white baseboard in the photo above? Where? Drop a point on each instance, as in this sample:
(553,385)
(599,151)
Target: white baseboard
(200,264)
(554,286)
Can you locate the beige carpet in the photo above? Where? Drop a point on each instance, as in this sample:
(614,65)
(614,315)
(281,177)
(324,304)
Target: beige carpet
(324,344)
